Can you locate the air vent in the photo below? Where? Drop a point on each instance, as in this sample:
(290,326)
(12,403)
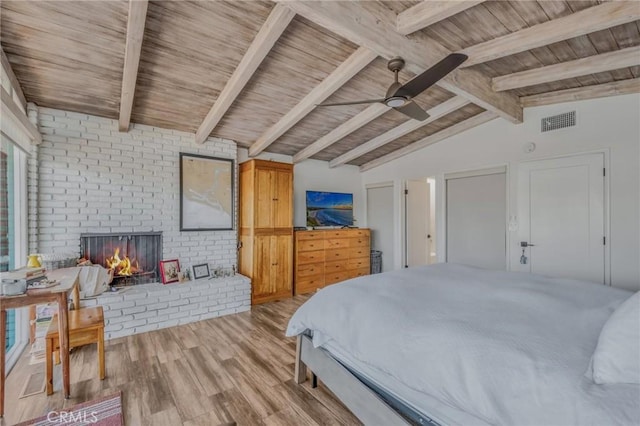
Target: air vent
(560,121)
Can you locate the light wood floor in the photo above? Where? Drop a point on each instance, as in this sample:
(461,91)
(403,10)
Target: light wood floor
(234,369)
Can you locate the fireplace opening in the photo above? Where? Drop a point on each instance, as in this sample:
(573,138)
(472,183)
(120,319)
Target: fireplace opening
(133,257)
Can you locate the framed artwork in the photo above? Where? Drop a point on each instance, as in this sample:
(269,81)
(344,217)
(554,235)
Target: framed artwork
(206,193)
(200,271)
(169,271)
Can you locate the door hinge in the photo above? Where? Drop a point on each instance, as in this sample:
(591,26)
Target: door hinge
(604,171)
(604,241)
(406,192)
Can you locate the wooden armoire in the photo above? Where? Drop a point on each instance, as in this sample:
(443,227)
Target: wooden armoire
(266,228)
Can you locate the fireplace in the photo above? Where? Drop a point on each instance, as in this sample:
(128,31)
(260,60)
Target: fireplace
(134,256)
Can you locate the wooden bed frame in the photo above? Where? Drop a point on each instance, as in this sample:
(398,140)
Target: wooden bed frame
(363,402)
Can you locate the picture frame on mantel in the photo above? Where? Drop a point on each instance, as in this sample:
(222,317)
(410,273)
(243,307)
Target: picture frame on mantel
(169,270)
(206,193)
(201,271)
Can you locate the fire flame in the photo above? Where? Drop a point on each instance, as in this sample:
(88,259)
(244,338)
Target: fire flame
(123,266)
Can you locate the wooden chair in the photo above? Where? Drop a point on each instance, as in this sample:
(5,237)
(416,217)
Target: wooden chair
(86,326)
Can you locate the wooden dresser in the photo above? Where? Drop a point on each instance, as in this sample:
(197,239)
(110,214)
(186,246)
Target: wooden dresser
(327,256)
(266,229)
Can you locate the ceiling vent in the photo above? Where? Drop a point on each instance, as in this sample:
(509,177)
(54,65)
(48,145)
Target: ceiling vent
(560,121)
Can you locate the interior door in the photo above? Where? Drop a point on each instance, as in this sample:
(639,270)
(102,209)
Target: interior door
(417,223)
(562,216)
(380,220)
(476,226)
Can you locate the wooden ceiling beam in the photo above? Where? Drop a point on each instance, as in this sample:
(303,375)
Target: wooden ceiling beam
(135,34)
(463,126)
(345,71)
(586,21)
(429,12)
(354,123)
(405,128)
(591,65)
(614,88)
(15,84)
(11,108)
(277,21)
(372,25)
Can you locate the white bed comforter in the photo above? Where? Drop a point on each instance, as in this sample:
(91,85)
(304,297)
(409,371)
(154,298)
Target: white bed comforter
(507,348)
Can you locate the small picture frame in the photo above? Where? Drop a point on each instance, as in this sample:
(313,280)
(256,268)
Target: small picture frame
(169,270)
(200,271)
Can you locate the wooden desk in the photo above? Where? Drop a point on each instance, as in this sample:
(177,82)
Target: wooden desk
(68,278)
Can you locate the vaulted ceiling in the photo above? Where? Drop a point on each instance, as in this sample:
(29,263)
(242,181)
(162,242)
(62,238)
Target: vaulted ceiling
(254,71)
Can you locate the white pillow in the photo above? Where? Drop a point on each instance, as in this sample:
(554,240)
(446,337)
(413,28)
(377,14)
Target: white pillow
(617,355)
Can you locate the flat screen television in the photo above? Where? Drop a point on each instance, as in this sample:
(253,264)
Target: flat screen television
(329,209)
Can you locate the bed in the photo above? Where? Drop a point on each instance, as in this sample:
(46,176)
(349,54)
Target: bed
(450,344)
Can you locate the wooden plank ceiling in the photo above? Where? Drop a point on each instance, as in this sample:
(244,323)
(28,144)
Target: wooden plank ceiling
(70,55)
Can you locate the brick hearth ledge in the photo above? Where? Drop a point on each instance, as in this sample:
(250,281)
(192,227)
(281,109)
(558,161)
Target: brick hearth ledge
(147,307)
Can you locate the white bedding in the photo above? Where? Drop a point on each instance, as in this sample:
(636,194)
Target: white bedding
(506,348)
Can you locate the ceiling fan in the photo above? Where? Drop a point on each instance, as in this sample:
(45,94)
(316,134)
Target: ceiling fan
(400,96)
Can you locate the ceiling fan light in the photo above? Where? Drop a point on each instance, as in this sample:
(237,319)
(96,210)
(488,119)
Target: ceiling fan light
(395,101)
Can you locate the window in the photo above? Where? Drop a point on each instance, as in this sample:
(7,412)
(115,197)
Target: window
(13,235)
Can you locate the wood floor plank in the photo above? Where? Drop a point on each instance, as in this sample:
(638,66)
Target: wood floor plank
(233,370)
(168,417)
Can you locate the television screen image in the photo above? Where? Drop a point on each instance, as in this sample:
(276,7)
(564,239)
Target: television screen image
(329,209)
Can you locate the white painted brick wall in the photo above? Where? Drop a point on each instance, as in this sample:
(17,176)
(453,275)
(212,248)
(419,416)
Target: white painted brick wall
(92,178)
(86,176)
(141,308)
(32,185)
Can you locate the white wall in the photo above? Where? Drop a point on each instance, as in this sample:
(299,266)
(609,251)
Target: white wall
(611,124)
(314,175)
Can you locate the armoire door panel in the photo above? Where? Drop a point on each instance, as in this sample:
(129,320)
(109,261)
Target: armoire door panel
(284,264)
(262,282)
(264,199)
(283,203)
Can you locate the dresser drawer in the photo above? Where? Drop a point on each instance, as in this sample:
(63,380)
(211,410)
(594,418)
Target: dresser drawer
(310,269)
(359,252)
(337,254)
(332,243)
(358,263)
(337,233)
(309,235)
(359,242)
(309,284)
(358,233)
(338,266)
(360,272)
(336,277)
(310,245)
(310,257)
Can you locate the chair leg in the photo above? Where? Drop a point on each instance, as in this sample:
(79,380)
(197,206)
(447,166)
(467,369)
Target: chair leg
(56,357)
(49,365)
(101,371)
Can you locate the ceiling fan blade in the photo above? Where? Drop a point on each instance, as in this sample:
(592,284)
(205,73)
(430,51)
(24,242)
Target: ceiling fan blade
(422,82)
(413,110)
(369,101)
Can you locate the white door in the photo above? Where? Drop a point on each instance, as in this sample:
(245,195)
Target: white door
(561,211)
(476,218)
(417,223)
(433,255)
(380,220)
